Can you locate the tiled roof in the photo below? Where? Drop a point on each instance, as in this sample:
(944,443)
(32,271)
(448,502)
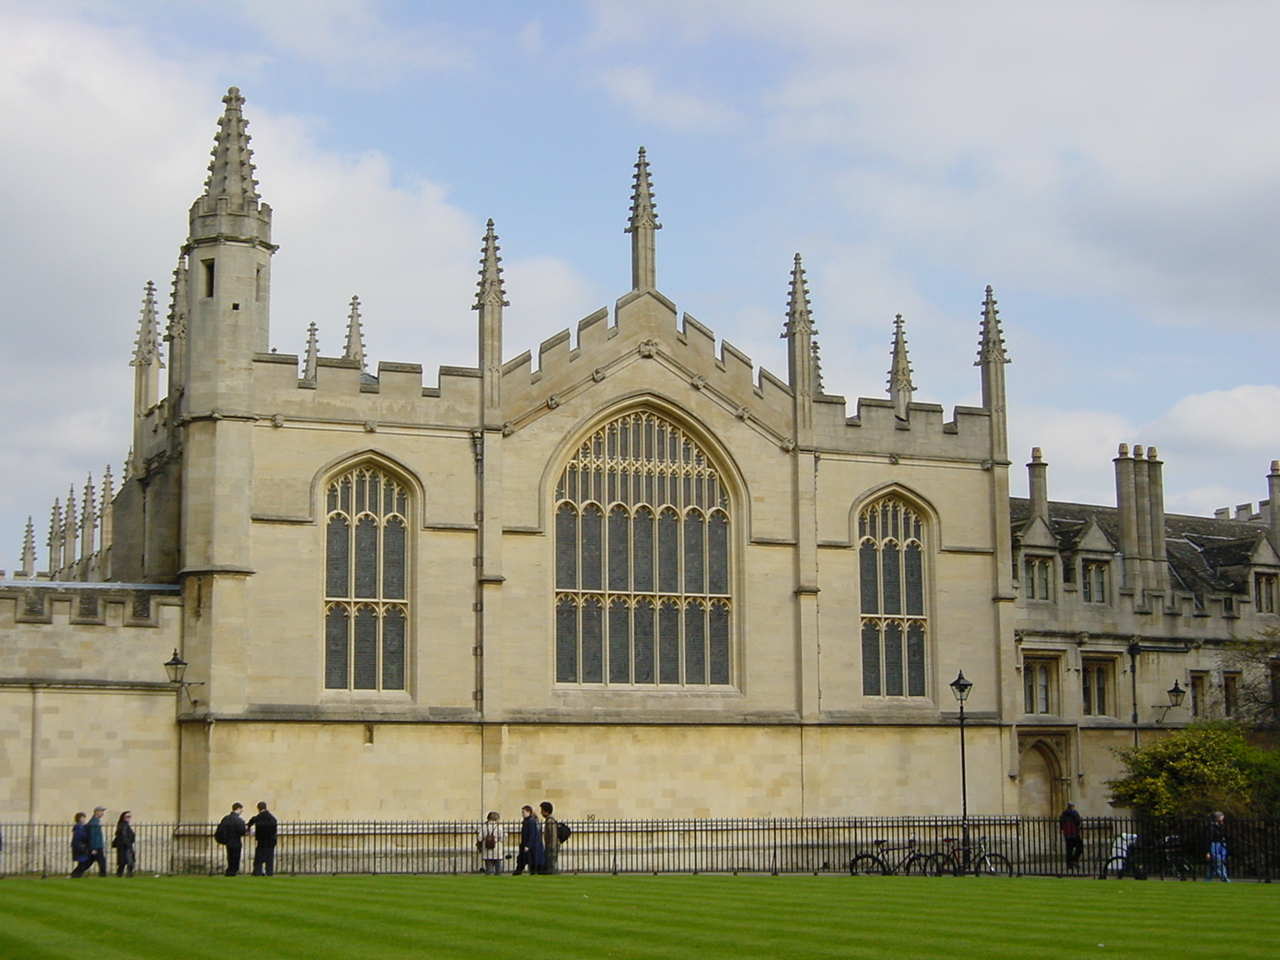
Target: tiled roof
(1200,549)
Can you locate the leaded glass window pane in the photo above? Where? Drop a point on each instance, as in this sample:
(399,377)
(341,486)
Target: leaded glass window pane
(619,638)
(592,641)
(642,618)
(366,558)
(694,531)
(914,580)
(364,660)
(695,650)
(393,649)
(642,529)
(393,559)
(718,554)
(619,549)
(592,548)
(668,552)
(336,638)
(718,636)
(566,640)
(870,658)
(892,579)
(566,548)
(337,558)
(915,659)
(669,643)
(893,658)
(869,576)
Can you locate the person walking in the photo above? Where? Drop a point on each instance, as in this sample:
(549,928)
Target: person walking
(97,843)
(80,846)
(264,826)
(1216,857)
(1069,824)
(123,843)
(489,843)
(550,838)
(230,833)
(531,852)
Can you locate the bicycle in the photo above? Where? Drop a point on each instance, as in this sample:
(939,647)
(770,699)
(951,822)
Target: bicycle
(912,862)
(1124,860)
(959,859)
(1173,863)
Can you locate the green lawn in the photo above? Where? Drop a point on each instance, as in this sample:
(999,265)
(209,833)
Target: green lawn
(486,918)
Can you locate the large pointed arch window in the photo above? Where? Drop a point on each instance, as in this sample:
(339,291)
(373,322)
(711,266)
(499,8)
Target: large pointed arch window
(642,560)
(365,585)
(891,569)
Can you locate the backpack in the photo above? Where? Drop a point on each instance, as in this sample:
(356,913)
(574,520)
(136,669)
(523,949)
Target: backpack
(563,830)
(489,841)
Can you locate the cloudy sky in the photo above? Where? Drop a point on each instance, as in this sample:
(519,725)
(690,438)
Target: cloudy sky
(1112,169)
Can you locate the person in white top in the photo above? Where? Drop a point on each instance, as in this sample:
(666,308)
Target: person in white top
(489,843)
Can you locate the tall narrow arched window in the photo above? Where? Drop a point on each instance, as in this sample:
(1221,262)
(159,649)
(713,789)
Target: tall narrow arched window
(642,560)
(366,581)
(891,576)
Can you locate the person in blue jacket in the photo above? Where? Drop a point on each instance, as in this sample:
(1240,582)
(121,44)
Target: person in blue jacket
(80,846)
(531,853)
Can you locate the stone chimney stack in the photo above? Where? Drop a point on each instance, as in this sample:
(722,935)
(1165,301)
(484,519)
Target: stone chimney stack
(1038,484)
(1127,505)
(1159,553)
(1142,505)
(1273,491)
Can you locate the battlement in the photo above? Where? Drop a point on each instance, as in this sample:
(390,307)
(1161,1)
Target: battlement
(875,428)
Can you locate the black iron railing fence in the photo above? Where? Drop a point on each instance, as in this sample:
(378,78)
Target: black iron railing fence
(1166,848)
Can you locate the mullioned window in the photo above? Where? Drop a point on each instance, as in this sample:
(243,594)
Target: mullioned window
(891,565)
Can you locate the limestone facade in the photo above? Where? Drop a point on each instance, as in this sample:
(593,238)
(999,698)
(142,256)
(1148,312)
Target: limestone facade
(640,578)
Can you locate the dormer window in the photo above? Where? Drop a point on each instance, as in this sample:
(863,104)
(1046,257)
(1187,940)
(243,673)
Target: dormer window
(1037,578)
(1093,581)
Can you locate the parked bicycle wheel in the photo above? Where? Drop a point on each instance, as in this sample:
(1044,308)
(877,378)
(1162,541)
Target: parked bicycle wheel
(919,866)
(867,865)
(941,865)
(993,865)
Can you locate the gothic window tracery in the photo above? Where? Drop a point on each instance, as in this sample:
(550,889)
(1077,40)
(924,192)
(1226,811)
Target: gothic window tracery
(642,560)
(366,581)
(891,570)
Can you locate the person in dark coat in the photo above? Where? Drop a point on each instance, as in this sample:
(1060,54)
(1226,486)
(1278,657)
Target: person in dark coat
(1216,841)
(263,825)
(1069,824)
(123,843)
(80,846)
(230,833)
(97,843)
(531,853)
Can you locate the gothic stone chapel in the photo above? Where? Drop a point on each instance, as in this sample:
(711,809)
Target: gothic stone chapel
(638,577)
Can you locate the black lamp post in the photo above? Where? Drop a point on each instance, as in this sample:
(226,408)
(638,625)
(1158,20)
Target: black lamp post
(961,687)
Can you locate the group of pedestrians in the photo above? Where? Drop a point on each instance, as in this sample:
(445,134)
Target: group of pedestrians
(1215,842)
(539,848)
(88,844)
(232,830)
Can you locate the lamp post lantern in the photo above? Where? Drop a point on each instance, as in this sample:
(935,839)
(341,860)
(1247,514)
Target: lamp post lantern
(961,687)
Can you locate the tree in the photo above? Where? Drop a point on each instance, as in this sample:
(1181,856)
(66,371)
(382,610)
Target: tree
(1204,767)
(1257,660)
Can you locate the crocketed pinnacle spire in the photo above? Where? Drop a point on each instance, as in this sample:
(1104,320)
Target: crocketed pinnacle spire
(231,169)
(641,226)
(355,335)
(311,360)
(146,348)
(900,385)
(817,367)
(991,340)
(491,292)
(28,560)
(799,320)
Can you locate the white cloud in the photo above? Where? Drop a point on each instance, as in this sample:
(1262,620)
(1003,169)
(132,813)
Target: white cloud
(639,88)
(354,40)
(547,296)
